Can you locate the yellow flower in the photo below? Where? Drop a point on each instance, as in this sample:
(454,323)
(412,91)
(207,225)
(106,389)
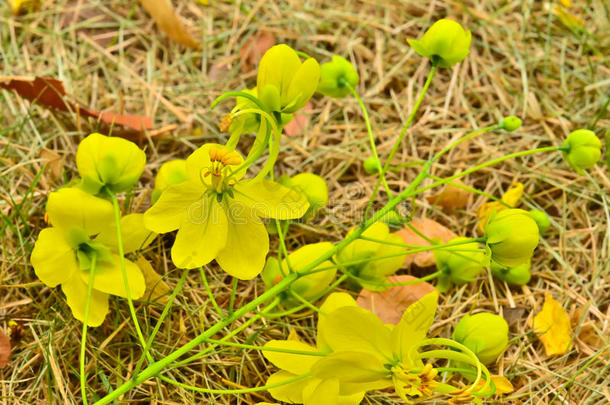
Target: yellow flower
(218,213)
(309,390)
(83,226)
(172,172)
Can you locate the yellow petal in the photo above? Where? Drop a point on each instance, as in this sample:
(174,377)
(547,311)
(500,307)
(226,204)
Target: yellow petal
(294,363)
(157,290)
(134,234)
(503,385)
(247,244)
(109,278)
(291,392)
(268,199)
(552,325)
(202,234)
(53,259)
(513,194)
(414,325)
(334,301)
(174,206)
(73,208)
(356,329)
(322,392)
(75,290)
(277,67)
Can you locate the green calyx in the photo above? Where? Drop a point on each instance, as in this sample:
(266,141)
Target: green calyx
(518,275)
(445,43)
(459,264)
(582,149)
(511,237)
(485,334)
(542,220)
(336,77)
(108,162)
(511,123)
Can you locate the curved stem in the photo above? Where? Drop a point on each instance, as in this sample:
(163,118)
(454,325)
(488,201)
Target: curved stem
(401,136)
(367,121)
(243,94)
(209,291)
(132,310)
(417,280)
(83,343)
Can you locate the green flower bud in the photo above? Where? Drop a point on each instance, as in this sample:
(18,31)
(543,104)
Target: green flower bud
(484,333)
(582,149)
(518,275)
(511,123)
(172,172)
(542,220)
(114,163)
(445,43)
(360,257)
(284,83)
(311,186)
(309,287)
(511,237)
(334,77)
(392,218)
(370,165)
(459,264)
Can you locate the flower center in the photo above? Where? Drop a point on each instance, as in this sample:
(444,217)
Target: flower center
(220,161)
(412,384)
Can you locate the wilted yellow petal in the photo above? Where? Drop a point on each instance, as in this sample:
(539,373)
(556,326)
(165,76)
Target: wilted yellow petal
(163,13)
(20,7)
(567,18)
(503,386)
(157,290)
(552,325)
(511,197)
(566,3)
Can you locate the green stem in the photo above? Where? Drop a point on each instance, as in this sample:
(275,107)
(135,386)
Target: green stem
(369,129)
(233,295)
(237,391)
(209,291)
(83,344)
(484,165)
(417,280)
(267,349)
(158,366)
(166,309)
(401,136)
(132,310)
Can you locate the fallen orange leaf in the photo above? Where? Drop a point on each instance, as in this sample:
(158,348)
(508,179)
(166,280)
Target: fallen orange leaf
(51,93)
(5,349)
(389,305)
(450,197)
(163,13)
(552,325)
(430,229)
(254,48)
(299,122)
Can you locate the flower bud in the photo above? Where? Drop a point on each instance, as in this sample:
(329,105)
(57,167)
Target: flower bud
(484,333)
(459,264)
(445,43)
(511,237)
(335,76)
(310,286)
(311,186)
(518,275)
(361,257)
(511,123)
(172,172)
(370,165)
(582,149)
(114,163)
(542,220)
(284,83)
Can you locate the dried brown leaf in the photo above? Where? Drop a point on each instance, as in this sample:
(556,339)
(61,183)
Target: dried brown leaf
(389,305)
(165,17)
(430,229)
(5,349)
(450,197)
(54,162)
(51,93)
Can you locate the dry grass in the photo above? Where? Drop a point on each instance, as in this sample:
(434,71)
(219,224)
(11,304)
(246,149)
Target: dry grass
(523,61)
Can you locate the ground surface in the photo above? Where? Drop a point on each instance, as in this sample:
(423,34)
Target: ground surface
(524,61)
